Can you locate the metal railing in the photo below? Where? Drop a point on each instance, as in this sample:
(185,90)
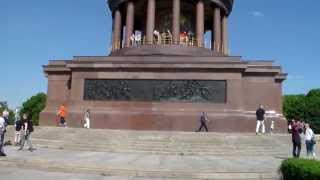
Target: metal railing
(164,39)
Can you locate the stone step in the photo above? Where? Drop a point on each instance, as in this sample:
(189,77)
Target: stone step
(186,143)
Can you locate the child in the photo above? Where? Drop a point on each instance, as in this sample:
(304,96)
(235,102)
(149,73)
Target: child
(272,127)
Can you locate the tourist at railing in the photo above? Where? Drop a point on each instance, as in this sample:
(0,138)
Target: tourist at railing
(27,129)
(164,38)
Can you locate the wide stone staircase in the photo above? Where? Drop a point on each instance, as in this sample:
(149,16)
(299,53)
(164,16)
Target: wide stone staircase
(150,154)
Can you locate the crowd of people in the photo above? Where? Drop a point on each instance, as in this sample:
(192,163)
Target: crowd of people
(23,131)
(299,131)
(165,37)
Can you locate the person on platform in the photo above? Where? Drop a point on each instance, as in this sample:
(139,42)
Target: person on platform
(62,114)
(260,114)
(27,129)
(2,132)
(203,121)
(310,139)
(296,138)
(87,119)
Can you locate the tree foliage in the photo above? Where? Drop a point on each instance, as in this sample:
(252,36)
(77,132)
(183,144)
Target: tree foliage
(305,107)
(34,106)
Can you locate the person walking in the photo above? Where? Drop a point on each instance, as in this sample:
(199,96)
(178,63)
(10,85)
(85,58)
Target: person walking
(17,135)
(296,138)
(2,132)
(27,129)
(62,113)
(87,119)
(203,120)
(260,114)
(310,139)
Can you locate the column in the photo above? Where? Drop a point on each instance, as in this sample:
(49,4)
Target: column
(216,35)
(225,36)
(129,23)
(176,22)
(200,23)
(117,30)
(151,12)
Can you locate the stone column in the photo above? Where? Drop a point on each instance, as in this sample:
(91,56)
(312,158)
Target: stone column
(200,23)
(176,22)
(117,30)
(216,35)
(129,23)
(225,37)
(151,13)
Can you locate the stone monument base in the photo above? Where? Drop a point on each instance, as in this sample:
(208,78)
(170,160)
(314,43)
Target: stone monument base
(164,92)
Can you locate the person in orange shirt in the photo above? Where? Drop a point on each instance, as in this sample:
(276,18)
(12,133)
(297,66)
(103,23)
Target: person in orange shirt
(62,113)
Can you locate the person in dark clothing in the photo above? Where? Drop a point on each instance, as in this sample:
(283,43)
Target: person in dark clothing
(27,129)
(260,114)
(17,136)
(296,139)
(203,120)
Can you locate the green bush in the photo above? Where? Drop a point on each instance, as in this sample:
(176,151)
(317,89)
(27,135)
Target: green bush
(34,106)
(300,169)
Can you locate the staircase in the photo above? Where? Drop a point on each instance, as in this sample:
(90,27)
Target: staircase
(150,154)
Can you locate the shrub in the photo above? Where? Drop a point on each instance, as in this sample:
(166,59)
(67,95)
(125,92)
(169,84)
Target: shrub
(34,106)
(300,169)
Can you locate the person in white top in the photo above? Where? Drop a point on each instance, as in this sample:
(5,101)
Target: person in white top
(310,141)
(2,132)
(87,119)
(5,115)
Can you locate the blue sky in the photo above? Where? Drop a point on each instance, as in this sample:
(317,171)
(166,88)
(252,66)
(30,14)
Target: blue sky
(35,31)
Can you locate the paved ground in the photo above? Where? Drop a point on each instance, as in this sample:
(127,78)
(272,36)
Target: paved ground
(93,165)
(27,174)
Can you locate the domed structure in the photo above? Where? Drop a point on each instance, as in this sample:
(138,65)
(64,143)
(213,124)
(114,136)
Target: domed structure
(160,74)
(181,23)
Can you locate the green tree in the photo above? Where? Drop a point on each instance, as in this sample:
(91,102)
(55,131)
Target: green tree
(294,106)
(313,109)
(34,106)
(305,107)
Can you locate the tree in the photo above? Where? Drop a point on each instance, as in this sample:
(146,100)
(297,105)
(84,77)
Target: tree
(313,111)
(34,106)
(294,106)
(305,107)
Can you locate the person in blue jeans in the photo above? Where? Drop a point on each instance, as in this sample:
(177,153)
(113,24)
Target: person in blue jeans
(310,141)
